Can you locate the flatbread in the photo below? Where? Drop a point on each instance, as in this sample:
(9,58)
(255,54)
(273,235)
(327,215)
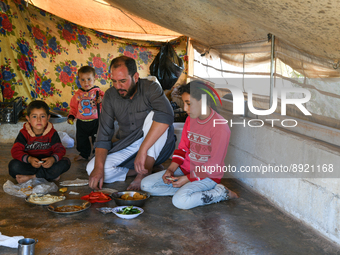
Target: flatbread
(41,199)
(108,191)
(76,182)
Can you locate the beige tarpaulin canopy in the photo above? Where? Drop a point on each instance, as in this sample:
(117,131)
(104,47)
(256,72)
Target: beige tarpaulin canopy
(102,17)
(311,27)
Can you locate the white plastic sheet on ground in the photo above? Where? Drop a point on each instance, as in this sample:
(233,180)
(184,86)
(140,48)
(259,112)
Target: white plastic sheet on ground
(35,185)
(66,140)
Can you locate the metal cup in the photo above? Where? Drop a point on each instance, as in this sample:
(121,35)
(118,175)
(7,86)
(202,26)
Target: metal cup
(26,246)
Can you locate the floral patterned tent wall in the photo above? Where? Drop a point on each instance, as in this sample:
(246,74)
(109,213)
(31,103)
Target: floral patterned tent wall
(41,53)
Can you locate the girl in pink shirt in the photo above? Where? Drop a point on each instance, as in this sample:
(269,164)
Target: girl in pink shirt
(194,175)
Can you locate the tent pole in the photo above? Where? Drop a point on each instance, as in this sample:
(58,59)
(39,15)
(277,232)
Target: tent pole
(271,71)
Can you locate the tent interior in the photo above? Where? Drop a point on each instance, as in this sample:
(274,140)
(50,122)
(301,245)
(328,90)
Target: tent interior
(307,25)
(248,44)
(306,52)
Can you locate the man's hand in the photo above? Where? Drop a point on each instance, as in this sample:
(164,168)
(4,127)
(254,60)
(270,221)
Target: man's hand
(70,121)
(36,163)
(180,181)
(96,179)
(48,162)
(155,132)
(140,162)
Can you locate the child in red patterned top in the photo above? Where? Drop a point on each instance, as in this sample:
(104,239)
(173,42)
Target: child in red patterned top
(84,108)
(194,175)
(37,150)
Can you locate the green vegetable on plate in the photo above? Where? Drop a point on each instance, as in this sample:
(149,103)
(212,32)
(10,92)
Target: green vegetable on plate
(129,210)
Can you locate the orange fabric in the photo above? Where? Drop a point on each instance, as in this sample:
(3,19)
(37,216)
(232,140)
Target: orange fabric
(102,17)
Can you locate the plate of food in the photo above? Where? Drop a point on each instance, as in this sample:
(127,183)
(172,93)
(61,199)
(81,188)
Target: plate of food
(127,212)
(69,206)
(137,198)
(43,199)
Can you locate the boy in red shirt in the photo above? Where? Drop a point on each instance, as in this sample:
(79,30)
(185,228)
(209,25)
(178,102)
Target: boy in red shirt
(203,145)
(37,150)
(84,108)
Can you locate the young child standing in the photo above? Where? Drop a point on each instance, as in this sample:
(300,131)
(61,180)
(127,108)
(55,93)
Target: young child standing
(190,178)
(84,108)
(37,150)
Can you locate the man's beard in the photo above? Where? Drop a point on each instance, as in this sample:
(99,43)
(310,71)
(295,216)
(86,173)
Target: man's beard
(130,92)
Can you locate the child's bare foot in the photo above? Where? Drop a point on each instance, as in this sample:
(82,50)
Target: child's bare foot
(24,178)
(230,194)
(77,158)
(56,179)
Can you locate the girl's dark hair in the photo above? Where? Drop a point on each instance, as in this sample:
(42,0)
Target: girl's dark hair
(37,104)
(87,69)
(196,89)
(130,64)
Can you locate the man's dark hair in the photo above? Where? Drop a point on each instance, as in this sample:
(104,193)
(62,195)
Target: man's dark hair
(37,104)
(87,69)
(130,63)
(195,89)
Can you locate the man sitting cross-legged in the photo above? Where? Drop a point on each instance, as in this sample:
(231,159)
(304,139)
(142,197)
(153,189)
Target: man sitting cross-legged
(146,134)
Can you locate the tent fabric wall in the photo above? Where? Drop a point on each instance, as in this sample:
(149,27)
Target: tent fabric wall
(315,74)
(306,64)
(41,53)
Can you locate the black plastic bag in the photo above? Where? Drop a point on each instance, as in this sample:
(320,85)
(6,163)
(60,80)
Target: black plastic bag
(167,66)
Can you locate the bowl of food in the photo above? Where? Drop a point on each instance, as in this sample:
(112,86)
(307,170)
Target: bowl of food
(136,198)
(69,206)
(127,212)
